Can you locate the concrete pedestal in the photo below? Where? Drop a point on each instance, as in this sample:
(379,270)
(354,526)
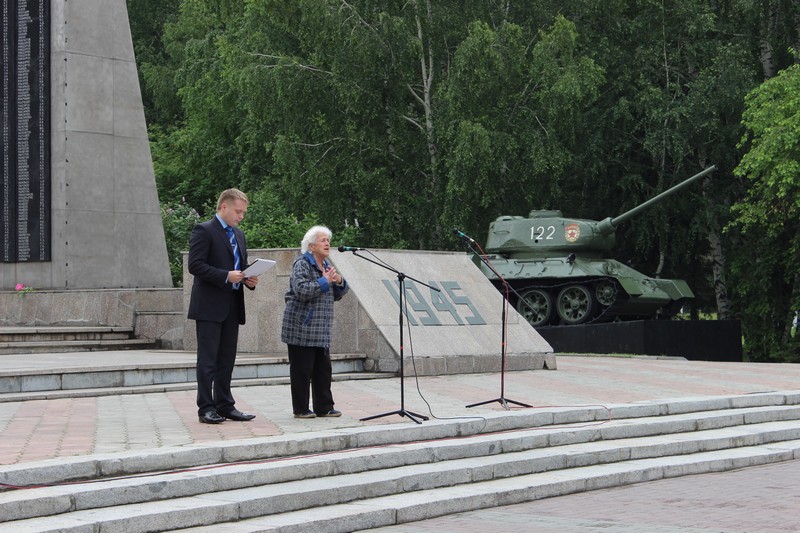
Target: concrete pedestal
(705,340)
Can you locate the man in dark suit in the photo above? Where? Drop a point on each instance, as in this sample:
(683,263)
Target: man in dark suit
(217,257)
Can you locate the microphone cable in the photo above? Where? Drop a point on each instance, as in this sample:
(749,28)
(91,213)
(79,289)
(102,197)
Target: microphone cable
(419,389)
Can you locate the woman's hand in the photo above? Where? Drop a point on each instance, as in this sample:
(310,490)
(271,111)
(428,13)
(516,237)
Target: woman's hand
(332,276)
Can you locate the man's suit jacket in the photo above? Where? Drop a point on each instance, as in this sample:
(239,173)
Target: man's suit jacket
(210,260)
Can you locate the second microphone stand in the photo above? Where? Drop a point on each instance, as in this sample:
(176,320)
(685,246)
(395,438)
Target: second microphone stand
(401,286)
(502,400)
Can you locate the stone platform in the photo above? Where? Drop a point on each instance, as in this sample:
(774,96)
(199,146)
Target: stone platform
(702,340)
(595,424)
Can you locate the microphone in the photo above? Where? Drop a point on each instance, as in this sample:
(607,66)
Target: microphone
(349,249)
(463,235)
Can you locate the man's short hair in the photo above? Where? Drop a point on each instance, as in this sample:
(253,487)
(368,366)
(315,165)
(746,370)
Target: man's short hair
(230,195)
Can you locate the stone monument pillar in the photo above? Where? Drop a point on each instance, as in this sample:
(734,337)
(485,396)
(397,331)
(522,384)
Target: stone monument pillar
(80,205)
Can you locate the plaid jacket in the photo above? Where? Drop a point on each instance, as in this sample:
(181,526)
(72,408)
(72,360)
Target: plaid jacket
(308,317)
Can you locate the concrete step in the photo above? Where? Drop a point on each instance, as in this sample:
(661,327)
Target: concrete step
(44,333)
(169,387)
(312,481)
(425,504)
(59,339)
(604,422)
(47,383)
(32,347)
(295,482)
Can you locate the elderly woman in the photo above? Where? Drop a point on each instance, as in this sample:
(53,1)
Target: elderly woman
(307,321)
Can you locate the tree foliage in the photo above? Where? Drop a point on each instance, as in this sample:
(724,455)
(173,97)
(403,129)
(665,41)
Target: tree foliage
(768,218)
(392,122)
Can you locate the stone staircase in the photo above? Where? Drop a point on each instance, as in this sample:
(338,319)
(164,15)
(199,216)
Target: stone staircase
(59,339)
(138,372)
(359,478)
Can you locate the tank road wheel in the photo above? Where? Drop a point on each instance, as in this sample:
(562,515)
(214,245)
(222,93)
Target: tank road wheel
(536,306)
(606,293)
(575,304)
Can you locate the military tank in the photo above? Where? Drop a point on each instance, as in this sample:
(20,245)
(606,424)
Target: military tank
(560,274)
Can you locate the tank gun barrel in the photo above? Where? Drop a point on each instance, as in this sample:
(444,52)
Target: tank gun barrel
(609,225)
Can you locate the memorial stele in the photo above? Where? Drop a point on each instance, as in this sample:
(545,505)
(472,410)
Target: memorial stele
(81,220)
(80,207)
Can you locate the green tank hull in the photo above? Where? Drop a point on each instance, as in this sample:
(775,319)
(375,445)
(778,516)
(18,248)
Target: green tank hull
(559,275)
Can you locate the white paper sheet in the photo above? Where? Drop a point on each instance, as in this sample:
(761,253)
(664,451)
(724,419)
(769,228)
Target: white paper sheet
(258,267)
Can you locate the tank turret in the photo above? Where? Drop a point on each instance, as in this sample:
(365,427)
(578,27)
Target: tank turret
(557,268)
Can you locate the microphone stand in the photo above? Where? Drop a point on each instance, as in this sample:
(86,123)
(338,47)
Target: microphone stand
(401,277)
(502,400)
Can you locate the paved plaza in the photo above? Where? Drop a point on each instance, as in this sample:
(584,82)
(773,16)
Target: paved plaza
(764,498)
(758,499)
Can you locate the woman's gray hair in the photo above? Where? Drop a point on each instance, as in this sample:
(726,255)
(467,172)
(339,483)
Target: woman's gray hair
(311,237)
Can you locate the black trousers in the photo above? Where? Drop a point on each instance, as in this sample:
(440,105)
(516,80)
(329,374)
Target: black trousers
(216,355)
(309,364)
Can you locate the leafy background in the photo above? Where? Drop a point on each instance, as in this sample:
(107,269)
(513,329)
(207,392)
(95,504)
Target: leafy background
(394,121)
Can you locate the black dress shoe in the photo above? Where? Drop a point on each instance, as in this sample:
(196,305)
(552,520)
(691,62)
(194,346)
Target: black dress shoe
(211,417)
(238,416)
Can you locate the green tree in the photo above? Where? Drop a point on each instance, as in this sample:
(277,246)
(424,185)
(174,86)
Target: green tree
(512,114)
(394,121)
(178,220)
(767,220)
(159,92)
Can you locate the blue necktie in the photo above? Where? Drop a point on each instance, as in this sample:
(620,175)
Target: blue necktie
(236,257)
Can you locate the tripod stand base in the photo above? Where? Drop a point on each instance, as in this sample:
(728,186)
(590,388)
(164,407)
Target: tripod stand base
(502,401)
(401,412)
